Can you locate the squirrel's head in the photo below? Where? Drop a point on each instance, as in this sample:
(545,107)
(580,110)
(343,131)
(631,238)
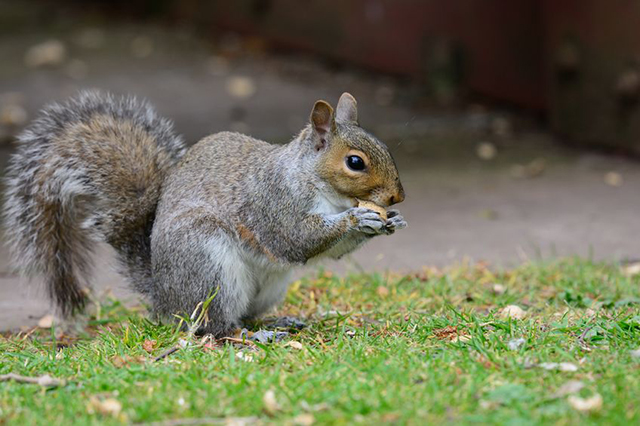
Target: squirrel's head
(353,162)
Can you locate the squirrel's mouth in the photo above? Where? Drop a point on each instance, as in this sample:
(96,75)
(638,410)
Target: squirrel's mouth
(358,201)
(382,211)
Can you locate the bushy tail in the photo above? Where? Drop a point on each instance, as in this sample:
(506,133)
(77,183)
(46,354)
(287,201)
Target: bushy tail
(85,171)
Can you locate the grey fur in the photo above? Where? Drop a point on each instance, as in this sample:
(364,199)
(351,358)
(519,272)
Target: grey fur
(233,216)
(59,200)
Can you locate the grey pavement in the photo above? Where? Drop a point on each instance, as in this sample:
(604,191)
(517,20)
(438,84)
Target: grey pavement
(458,206)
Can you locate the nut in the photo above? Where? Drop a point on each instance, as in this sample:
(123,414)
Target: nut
(373,206)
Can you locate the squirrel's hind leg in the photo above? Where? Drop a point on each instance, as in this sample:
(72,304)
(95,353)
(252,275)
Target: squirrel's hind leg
(190,265)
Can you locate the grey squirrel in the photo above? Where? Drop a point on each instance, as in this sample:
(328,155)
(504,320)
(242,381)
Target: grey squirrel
(232,214)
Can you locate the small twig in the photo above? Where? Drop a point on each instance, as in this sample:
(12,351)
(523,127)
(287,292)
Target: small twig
(236,340)
(46,381)
(205,421)
(166,353)
(583,344)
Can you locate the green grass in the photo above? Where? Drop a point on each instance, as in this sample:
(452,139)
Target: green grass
(378,350)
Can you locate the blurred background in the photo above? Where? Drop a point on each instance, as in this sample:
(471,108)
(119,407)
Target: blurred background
(515,124)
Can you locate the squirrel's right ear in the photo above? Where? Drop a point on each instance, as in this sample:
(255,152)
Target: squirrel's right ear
(322,121)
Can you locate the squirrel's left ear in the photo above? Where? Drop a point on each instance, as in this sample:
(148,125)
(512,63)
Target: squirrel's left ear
(347,109)
(322,122)
(322,117)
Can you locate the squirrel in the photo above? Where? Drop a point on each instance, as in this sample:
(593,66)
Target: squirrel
(231,215)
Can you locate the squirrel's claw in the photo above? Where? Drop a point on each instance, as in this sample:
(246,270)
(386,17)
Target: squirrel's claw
(368,221)
(395,222)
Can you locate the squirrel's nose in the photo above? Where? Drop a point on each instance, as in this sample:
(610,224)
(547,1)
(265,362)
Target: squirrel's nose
(398,197)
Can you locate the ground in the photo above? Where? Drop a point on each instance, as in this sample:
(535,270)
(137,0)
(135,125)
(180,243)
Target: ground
(458,205)
(414,339)
(555,343)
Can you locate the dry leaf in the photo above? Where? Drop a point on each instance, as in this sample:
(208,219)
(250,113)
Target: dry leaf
(613,179)
(498,289)
(513,311)
(631,269)
(462,338)
(294,344)
(560,366)
(533,169)
(241,421)
(244,356)
(107,407)
(588,405)
(304,419)
(571,387)
(49,53)
(241,87)
(46,321)
(149,345)
(382,291)
(447,332)
(516,344)
(486,151)
(13,115)
(270,403)
(45,381)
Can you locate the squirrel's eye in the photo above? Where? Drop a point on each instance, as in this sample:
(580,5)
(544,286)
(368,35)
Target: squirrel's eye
(355,163)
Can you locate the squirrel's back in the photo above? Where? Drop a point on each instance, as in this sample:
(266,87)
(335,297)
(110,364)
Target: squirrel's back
(88,170)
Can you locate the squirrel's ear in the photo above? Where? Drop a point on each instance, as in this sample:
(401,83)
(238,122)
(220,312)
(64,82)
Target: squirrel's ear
(347,109)
(322,117)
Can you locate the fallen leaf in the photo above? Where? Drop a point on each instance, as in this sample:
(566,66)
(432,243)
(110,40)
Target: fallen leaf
(445,333)
(149,345)
(461,338)
(560,366)
(241,87)
(45,381)
(613,179)
(46,321)
(486,151)
(631,269)
(571,387)
(244,356)
(107,407)
(241,421)
(13,115)
(513,311)
(210,346)
(533,169)
(498,289)
(516,344)
(390,418)
(293,344)
(382,291)
(305,419)
(48,53)
(588,405)
(123,361)
(270,403)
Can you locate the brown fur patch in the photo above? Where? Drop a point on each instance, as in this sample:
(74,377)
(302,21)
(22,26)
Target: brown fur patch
(348,182)
(249,237)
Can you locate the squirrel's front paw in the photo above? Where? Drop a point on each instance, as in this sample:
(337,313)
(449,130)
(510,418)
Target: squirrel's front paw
(367,221)
(395,221)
